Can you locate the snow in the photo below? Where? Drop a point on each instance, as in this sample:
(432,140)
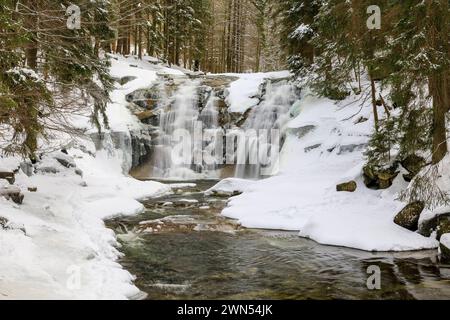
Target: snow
(303,196)
(56,245)
(230,186)
(242,92)
(65,230)
(146,73)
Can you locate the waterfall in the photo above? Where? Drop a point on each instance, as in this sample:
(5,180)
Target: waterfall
(265,123)
(179,117)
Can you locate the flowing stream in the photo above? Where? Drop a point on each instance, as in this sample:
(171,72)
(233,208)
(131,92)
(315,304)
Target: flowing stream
(181,248)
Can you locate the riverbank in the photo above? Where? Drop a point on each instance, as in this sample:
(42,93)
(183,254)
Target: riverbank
(55,245)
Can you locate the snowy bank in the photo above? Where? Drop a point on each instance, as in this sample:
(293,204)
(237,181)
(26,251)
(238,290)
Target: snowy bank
(56,245)
(325,147)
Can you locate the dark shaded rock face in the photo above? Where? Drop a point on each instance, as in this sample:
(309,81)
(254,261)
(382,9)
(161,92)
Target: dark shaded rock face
(413,164)
(347,187)
(409,217)
(379,179)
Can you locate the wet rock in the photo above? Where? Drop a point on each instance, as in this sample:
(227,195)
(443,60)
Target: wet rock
(413,164)
(347,187)
(379,178)
(409,217)
(145,115)
(8,176)
(12,193)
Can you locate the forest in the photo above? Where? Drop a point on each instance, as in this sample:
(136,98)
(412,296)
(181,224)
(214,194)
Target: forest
(360,91)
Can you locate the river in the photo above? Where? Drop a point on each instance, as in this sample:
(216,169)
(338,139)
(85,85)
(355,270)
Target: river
(180,248)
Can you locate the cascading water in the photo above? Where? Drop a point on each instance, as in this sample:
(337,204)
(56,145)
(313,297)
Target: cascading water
(178,145)
(264,129)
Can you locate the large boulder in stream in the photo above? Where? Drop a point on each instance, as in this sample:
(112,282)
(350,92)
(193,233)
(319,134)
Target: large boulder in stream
(409,217)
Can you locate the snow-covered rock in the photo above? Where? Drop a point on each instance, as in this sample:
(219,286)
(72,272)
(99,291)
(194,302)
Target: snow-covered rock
(230,187)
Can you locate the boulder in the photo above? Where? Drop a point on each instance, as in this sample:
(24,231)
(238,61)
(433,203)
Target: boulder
(3,223)
(443,226)
(12,193)
(27,168)
(445,247)
(145,115)
(32,189)
(379,178)
(79,172)
(439,221)
(8,176)
(347,187)
(413,164)
(409,217)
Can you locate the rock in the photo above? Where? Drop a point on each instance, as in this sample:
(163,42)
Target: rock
(379,179)
(3,223)
(8,176)
(145,115)
(443,226)
(125,80)
(409,217)
(351,148)
(313,147)
(347,187)
(79,172)
(439,221)
(12,193)
(445,247)
(65,160)
(32,189)
(413,164)
(27,168)
(361,120)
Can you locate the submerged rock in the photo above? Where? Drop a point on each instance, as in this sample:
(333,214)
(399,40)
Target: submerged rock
(409,217)
(347,187)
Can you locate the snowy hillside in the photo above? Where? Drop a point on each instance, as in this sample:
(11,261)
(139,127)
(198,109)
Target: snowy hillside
(324,148)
